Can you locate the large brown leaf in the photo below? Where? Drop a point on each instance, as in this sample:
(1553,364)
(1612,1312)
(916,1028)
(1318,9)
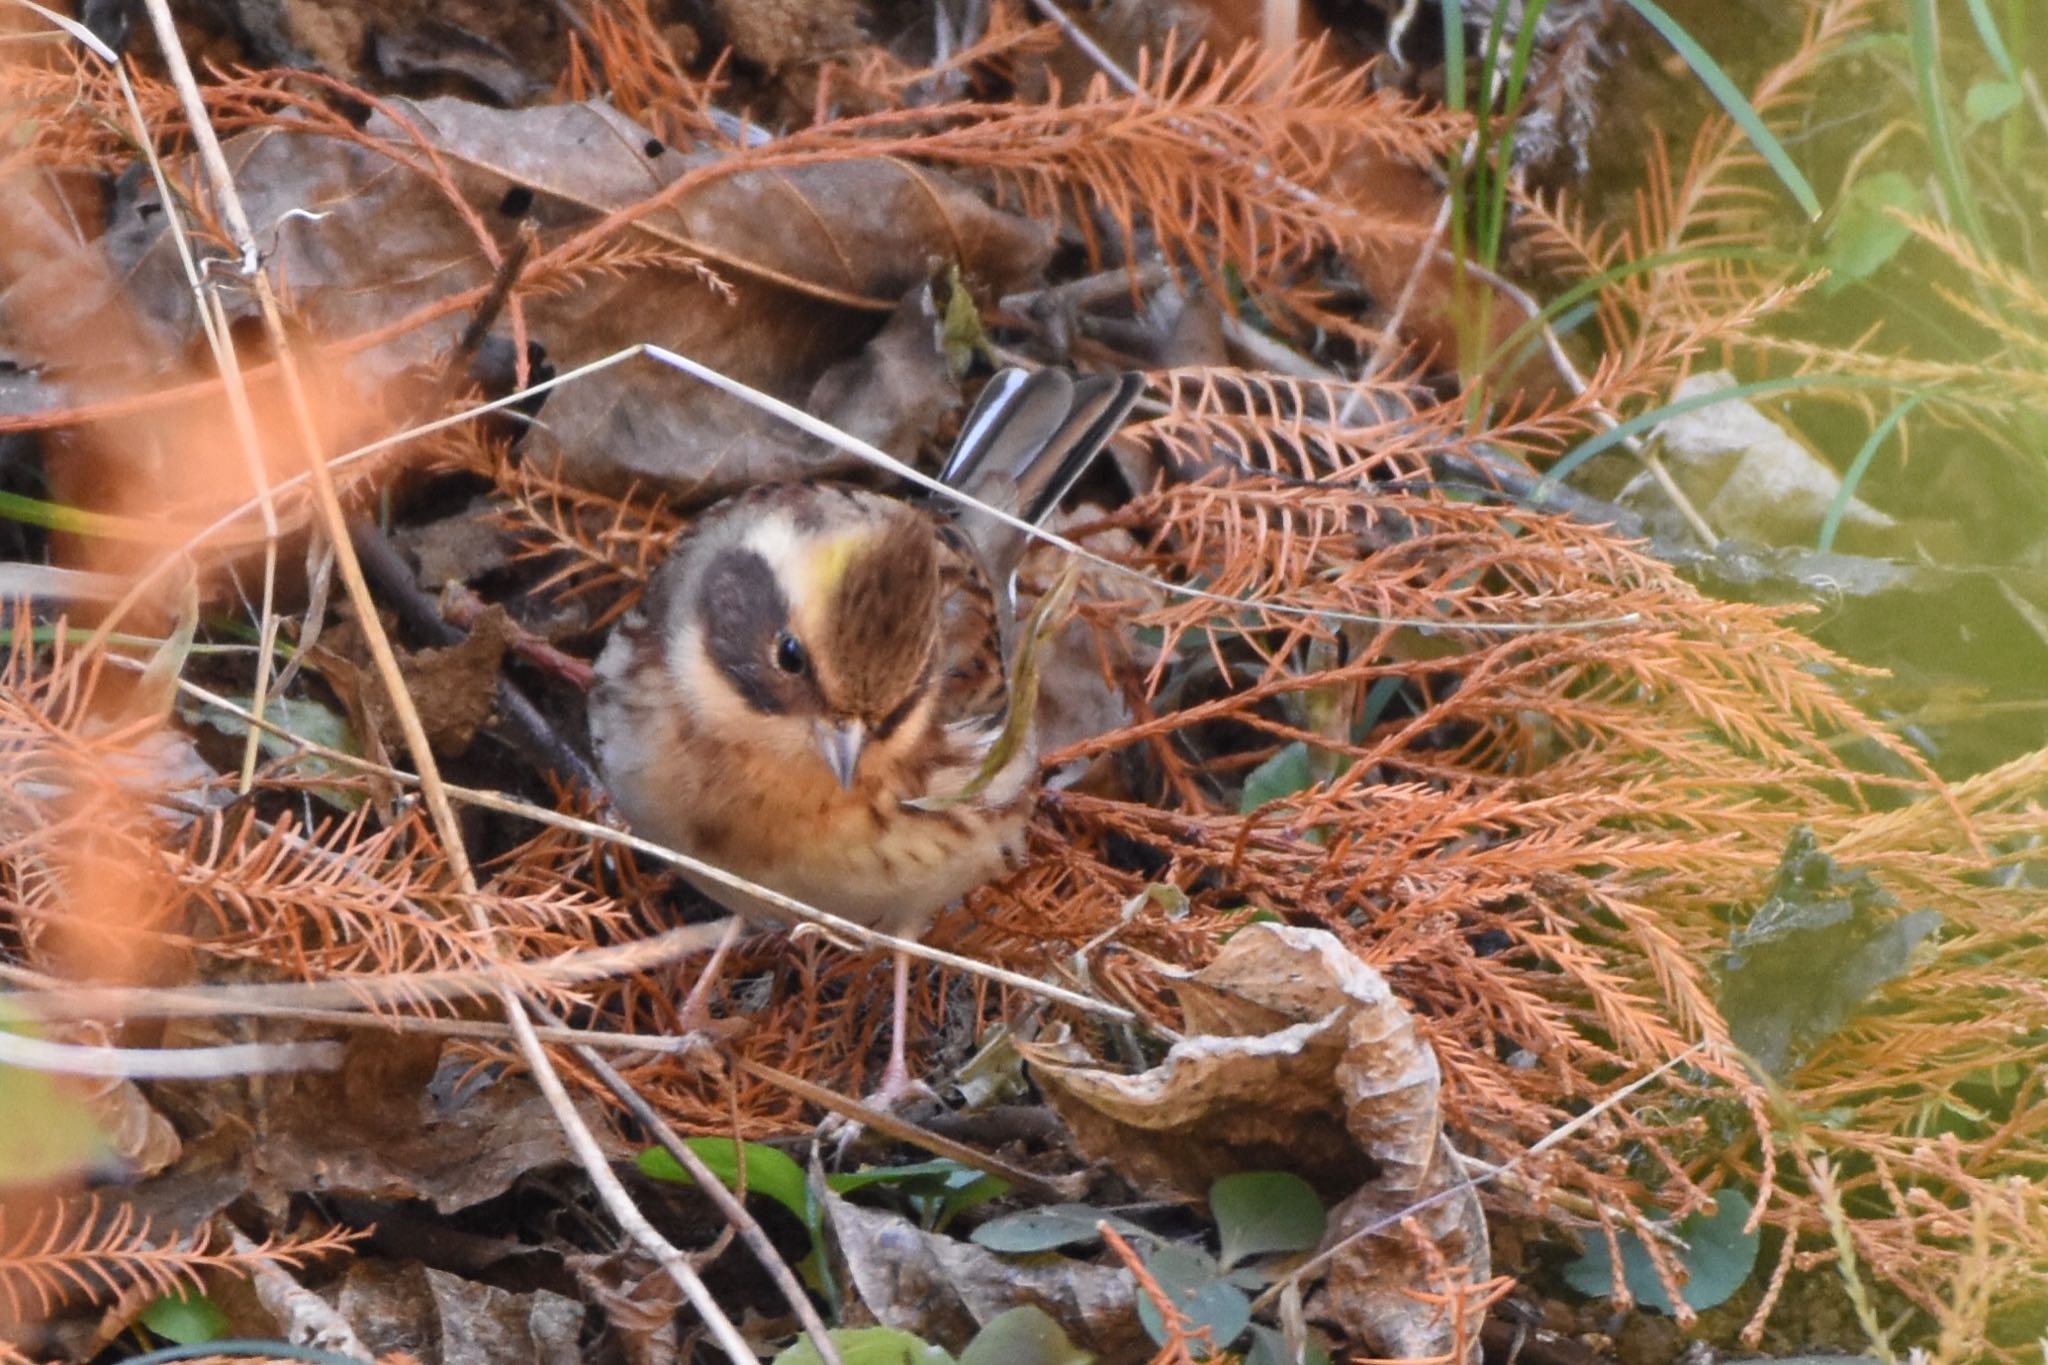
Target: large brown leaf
(772,275)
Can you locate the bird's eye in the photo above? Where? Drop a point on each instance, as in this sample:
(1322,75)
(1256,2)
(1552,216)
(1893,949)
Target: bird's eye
(789,654)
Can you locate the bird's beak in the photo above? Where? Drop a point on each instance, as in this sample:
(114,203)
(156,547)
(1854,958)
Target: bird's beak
(840,746)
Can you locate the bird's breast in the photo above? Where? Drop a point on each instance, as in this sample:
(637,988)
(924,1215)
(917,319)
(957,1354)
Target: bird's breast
(858,852)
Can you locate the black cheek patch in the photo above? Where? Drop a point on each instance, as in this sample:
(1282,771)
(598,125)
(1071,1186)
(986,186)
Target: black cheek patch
(743,610)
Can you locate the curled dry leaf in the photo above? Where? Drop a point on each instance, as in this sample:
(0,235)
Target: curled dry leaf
(946,1290)
(1298,1057)
(452,1150)
(772,275)
(445,1318)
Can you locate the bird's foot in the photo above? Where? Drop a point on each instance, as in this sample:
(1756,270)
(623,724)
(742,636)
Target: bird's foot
(900,1095)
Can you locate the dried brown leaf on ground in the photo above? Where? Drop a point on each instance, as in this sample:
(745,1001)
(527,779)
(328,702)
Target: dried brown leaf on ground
(1299,1058)
(945,1289)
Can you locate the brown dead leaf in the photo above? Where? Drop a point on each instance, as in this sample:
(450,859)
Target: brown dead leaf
(1439,1248)
(772,276)
(945,1290)
(453,1152)
(455,689)
(1215,1106)
(1298,1057)
(640,1302)
(444,1320)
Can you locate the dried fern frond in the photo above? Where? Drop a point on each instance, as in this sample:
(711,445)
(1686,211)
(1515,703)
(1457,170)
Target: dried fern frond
(65,1251)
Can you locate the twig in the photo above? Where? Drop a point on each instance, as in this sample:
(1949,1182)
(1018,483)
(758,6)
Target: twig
(166,1063)
(729,1205)
(882,1121)
(362,993)
(461,607)
(1179,1332)
(530,734)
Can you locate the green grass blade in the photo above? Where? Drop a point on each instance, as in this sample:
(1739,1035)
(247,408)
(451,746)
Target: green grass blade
(1511,101)
(1832,522)
(55,516)
(1923,41)
(1734,102)
(1454,55)
(1642,422)
(1994,43)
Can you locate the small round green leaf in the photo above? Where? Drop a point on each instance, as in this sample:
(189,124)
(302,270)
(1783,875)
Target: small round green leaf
(1261,1212)
(1989,101)
(1191,1279)
(186,1318)
(1023,1336)
(1718,1257)
(1047,1229)
(1284,774)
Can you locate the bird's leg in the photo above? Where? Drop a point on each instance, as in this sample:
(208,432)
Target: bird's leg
(896,1082)
(898,1086)
(899,1090)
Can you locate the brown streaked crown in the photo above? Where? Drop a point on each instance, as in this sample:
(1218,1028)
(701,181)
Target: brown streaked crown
(880,624)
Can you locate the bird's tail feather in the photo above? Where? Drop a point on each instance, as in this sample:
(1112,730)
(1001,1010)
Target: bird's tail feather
(1027,440)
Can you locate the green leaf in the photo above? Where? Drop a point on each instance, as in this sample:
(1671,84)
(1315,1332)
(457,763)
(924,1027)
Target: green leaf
(869,1346)
(186,1318)
(1284,774)
(47,1135)
(307,719)
(1866,234)
(1192,1281)
(929,1174)
(1261,1212)
(1990,101)
(1718,1258)
(1023,1336)
(1733,101)
(970,1195)
(769,1172)
(1049,1228)
(1994,42)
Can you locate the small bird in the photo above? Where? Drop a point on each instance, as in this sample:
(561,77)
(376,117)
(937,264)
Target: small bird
(816,691)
